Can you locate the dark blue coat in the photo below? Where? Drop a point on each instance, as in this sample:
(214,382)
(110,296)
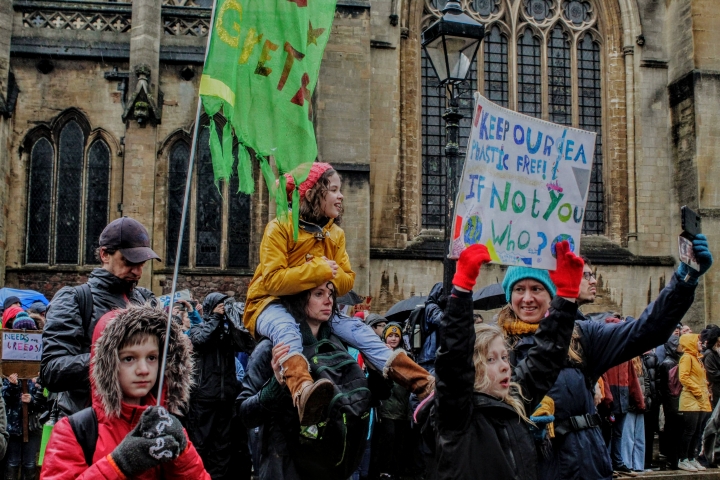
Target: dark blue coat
(431,324)
(582,454)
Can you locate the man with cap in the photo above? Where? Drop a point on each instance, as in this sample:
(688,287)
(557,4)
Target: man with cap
(67,338)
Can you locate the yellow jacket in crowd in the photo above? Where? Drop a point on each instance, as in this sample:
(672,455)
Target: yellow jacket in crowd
(288,267)
(694,396)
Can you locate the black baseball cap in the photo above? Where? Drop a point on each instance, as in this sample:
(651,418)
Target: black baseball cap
(130,237)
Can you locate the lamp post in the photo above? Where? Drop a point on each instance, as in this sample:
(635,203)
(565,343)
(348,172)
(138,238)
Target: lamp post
(451,44)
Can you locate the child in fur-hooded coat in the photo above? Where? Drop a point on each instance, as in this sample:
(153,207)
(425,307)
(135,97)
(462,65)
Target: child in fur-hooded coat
(64,458)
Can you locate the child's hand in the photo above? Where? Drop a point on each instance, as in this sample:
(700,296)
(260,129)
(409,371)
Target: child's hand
(569,272)
(468,266)
(333,265)
(26,398)
(156,439)
(278,352)
(13,378)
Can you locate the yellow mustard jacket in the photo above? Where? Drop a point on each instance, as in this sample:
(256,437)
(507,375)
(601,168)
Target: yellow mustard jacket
(288,267)
(694,396)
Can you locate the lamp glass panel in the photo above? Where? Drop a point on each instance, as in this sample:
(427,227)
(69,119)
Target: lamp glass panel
(460,52)
(436,52)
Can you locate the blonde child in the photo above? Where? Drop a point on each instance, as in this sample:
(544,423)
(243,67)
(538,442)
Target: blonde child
(288,267)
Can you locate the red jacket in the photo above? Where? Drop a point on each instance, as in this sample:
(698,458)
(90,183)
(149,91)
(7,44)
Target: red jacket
(64,458)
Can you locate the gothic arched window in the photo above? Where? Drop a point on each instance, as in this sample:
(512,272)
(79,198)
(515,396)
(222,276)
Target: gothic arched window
(541,58)
(211,206)
(68,194)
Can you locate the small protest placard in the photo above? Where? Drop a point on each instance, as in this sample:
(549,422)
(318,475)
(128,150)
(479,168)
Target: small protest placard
(181,295)
(523,188)
(21,345)
(21,353)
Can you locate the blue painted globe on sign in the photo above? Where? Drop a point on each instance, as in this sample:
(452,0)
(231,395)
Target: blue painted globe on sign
(472,231)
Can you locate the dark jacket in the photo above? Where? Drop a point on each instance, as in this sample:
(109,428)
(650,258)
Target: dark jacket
(650,389)
(397,407)
(711,360)
(670,403)
(12,394)
(66,344)
(267,410)
(478,436)
(582,454)
(431,324)
(214,353)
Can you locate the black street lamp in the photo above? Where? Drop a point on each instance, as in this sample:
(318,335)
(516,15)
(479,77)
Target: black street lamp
(451,44)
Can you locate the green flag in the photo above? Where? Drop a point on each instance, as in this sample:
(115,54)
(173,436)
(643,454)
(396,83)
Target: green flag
(261,69)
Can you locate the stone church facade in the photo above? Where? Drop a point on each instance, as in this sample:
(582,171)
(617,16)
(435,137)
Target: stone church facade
(98,104)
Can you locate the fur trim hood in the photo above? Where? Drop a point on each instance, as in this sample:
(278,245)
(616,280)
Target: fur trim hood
(105,363)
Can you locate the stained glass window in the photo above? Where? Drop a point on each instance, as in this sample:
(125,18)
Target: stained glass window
(208,227)
(590,99)
(537,81)
(98,201)
(559,77)
(238,225)
(496,67)
(40,186)
(177,177)
(529,74)
(69,193)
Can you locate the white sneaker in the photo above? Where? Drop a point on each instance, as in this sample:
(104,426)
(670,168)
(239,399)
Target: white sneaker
(696,464)
(687,466)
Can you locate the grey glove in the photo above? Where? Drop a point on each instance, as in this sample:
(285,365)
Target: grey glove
(157,421)
(149,444)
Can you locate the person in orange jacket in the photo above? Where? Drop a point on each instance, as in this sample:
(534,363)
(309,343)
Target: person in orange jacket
(135,438)
(288,266)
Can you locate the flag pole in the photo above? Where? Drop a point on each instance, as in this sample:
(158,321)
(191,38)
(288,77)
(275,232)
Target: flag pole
(183,218)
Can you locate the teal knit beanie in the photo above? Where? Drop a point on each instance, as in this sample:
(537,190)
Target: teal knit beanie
(515,274)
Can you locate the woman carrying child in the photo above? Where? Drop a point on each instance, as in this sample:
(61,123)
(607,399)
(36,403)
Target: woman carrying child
(483,403)
(288,267)
(282,448)
(134,438)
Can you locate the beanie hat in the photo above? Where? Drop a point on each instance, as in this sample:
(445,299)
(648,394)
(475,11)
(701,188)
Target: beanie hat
(10,301)
(373,319)
(9,315)
(316,171)
(391,328)
(515,274)
(23,322)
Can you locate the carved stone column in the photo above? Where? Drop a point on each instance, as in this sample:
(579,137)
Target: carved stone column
(142,114)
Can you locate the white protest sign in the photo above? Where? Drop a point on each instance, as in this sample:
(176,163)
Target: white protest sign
(21,346)
(523,188)
(181,295)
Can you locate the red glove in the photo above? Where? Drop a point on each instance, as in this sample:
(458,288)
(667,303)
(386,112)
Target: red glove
(468,266)
(569,272)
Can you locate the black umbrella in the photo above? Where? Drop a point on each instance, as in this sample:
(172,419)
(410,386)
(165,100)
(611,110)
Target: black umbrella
(350,298)
(401,310)
(489,298)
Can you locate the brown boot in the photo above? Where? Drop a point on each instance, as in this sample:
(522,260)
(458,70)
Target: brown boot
(309,397)
(402,370)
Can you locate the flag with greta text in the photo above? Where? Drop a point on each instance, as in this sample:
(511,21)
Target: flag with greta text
(261,69)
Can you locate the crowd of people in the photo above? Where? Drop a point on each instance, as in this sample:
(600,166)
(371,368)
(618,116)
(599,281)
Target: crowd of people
(285,385)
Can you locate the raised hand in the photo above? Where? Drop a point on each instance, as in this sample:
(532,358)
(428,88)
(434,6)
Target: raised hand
(468,266)
(568,274)
(703,257)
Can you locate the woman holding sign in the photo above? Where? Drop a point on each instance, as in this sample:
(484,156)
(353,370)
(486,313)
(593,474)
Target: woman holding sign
(578,450)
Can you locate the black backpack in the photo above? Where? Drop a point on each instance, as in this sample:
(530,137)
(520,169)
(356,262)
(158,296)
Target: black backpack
(85,427)
(414,333)
(340,439)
